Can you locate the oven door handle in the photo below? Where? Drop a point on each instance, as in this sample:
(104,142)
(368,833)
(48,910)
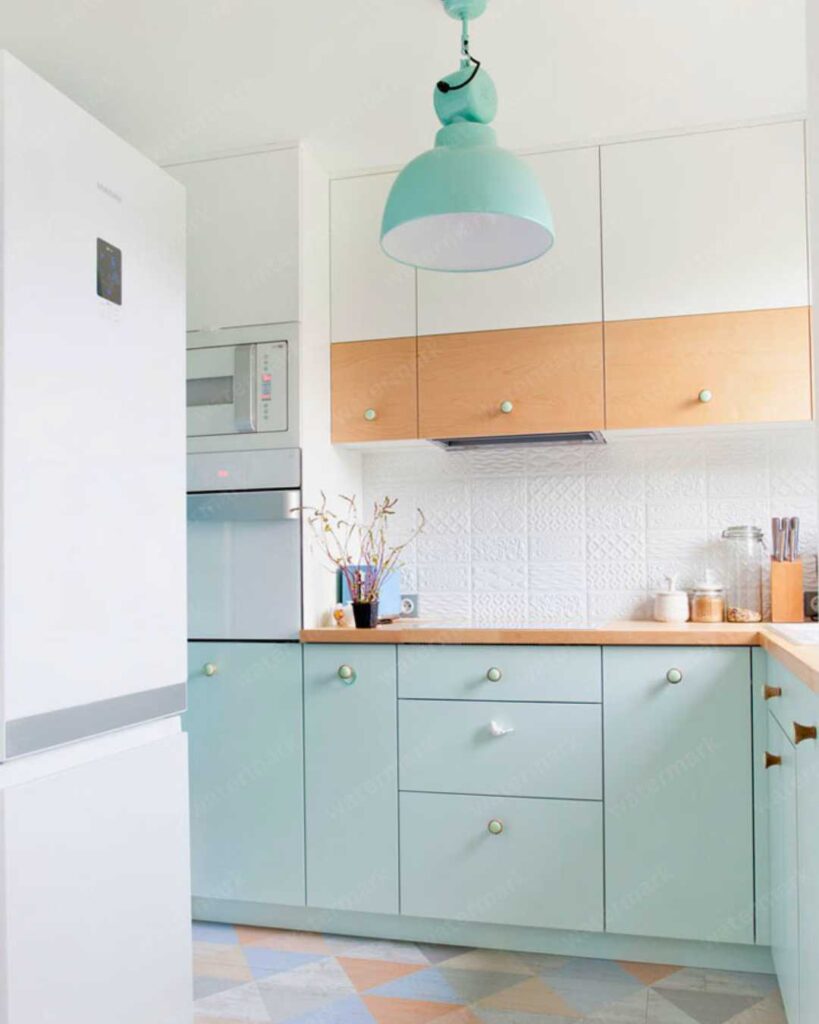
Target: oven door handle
(244,389)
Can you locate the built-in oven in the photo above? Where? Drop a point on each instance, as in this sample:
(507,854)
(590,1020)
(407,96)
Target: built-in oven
(244,546)
(241,388)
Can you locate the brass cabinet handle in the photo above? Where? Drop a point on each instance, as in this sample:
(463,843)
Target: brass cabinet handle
(803,732)
(771,760)
(769,692)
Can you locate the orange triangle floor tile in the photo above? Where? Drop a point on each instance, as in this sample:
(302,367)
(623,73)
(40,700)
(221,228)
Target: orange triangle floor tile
(278,938)
(463,1015)
(530,996)
(366,974)
(648,974)
(386,1010)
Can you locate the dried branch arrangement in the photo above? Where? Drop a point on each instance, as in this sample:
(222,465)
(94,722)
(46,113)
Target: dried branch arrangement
(359,547)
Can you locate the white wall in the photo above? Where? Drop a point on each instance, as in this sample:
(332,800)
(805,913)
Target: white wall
(577,534)
(813,166)
(334,470)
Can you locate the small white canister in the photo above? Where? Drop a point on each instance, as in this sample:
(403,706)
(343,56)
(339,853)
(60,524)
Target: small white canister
(671,604)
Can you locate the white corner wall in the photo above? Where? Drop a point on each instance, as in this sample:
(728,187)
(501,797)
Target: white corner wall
(324,468)
(813,173)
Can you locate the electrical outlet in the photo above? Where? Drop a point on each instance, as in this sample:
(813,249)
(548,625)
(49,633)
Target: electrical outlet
(409,606)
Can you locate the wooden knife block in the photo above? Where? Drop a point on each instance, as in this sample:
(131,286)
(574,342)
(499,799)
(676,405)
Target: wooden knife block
(787,601)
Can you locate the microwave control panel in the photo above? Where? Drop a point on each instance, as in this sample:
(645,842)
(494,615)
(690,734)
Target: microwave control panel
(271,386)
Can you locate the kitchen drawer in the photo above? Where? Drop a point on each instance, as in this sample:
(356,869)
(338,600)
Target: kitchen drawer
(484,672)
(544,869)
(501,748)
(797,703)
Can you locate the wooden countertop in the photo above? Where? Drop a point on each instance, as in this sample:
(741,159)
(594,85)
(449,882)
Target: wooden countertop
(801,659)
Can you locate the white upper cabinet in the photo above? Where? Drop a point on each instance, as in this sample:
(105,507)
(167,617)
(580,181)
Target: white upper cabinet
(372,295)
(562,287)
(712,222)
(243,239)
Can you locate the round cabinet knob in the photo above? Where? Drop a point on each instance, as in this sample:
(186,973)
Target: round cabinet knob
(673,675)
(495,827)
(705,396)
(771,760)
(496,729)
(346,674)
(370,415)
(769,692)
(210,669)
(506,406)
(494,675)
(803,732)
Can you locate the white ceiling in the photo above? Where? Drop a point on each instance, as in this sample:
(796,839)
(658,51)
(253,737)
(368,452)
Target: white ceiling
(185,78)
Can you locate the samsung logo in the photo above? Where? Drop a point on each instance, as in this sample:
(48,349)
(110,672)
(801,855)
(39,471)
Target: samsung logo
(109,192)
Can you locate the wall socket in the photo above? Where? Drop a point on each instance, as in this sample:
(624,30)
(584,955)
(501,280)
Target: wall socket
(409,606)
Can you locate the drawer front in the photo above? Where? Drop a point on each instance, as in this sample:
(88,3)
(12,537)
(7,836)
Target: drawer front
(797,703)
(484,672)
(544,869)
(512,749)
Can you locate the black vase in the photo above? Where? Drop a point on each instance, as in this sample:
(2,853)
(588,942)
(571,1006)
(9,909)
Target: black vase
(365,614)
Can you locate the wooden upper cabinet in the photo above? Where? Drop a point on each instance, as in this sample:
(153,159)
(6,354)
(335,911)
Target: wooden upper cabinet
(714,368)
(372,295)
(243,239)
(562,287)
(374,390)
(524,381)
(705,223)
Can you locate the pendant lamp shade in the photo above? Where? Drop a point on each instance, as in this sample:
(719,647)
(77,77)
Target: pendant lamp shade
(466,205)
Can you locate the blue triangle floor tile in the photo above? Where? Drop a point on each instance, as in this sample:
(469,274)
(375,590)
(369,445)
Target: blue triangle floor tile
(264,962)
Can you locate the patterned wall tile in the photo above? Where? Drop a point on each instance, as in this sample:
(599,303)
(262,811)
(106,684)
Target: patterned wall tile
(587,533)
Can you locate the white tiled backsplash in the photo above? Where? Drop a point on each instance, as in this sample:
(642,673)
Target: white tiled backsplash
(586,533)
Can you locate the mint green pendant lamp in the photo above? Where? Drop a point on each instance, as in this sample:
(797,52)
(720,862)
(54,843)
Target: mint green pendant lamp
(466,205)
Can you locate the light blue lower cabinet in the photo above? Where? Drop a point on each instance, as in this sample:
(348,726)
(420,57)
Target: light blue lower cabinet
(351,777)
(784,868)
(244,725)
(502,860)
(678,792)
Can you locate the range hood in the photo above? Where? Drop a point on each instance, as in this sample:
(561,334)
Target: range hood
(575,437)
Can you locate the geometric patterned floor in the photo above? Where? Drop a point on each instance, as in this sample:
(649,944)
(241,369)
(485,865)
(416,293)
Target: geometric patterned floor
(270,976)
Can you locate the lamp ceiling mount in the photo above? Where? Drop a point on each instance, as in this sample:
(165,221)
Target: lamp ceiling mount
(465,10)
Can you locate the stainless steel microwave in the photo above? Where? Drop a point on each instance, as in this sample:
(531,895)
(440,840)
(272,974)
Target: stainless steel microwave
(242,388)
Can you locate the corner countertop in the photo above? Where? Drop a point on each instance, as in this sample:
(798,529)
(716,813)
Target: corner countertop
(801,659)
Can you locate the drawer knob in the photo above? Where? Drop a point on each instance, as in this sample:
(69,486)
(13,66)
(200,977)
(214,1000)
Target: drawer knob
(803,732)
(494,675)
(370,415)
(771,760)
(769,692)
(346,674)
(705,396)
(506,406)
(495,827)
(673,675)
(210,669)
(496,729)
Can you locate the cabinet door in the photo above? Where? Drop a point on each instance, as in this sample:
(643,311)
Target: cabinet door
(564,287)
(807,814)
(543,868)
(784,869)
(247,799)
(243,239)
(710,369)
(372,295)
(679,829)
(351,760)
(705,223)
(375,390)
(496,383)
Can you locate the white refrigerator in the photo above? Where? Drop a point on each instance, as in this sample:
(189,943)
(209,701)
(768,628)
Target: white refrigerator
(94,868)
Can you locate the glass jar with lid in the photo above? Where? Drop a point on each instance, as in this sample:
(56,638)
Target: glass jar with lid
(708,600)
(745,559)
